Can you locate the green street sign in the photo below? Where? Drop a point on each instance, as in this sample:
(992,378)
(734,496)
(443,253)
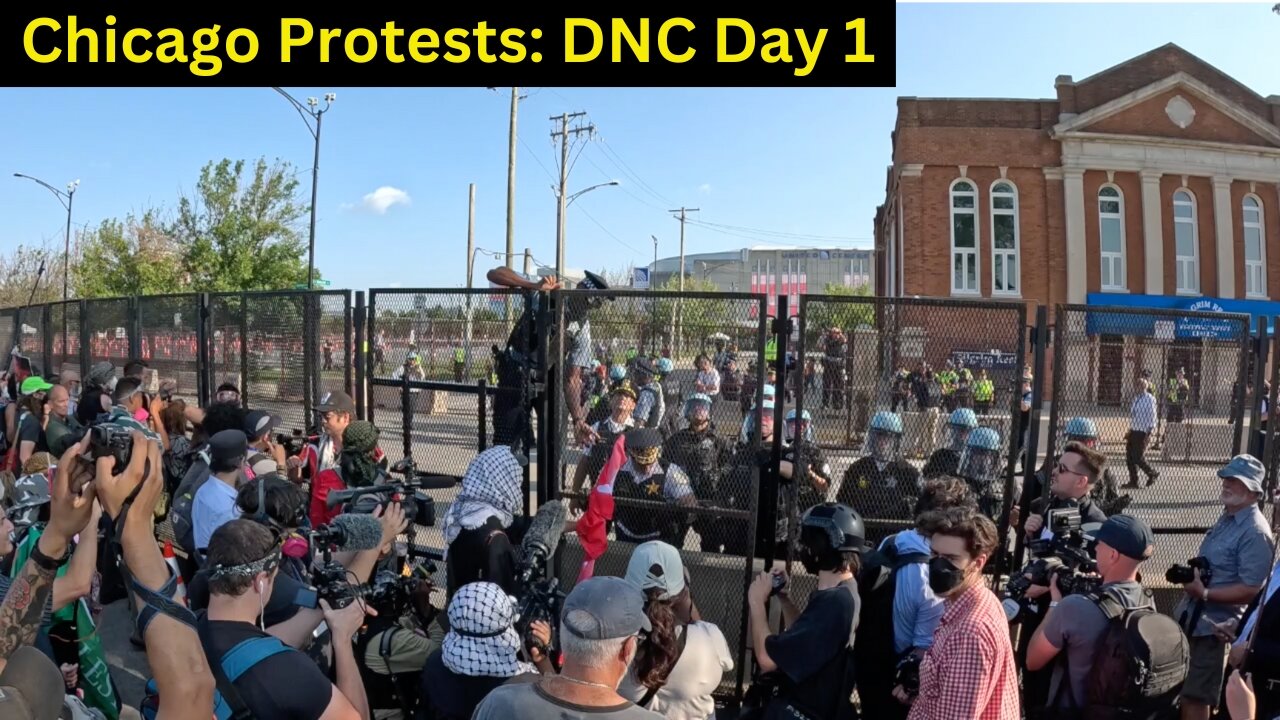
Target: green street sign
(318,283)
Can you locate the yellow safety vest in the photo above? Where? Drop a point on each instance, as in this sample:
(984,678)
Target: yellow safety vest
(459,356)
(771,350)
(983,391)
(947,379)
(1174,387)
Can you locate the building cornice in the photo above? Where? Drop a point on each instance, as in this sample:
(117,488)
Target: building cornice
(1168,156)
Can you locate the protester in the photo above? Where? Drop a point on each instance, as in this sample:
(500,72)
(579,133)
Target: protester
(481,532)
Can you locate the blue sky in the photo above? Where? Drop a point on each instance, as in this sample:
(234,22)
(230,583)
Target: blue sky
(794,162)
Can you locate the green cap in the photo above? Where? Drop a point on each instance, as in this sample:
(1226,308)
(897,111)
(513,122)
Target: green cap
(34,384)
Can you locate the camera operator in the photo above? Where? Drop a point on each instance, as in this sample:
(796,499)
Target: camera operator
(1236,556)
(1070,485)
(1075,624)
(244,558)
(360,464)
(480,652)
(128,399)
(808,669)
(265,457)
(481,533)
(336,410)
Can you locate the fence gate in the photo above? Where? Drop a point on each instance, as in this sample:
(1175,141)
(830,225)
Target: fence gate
(1099,354)
(633,329)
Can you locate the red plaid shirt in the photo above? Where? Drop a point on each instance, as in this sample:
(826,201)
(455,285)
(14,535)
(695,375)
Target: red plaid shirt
(969,673)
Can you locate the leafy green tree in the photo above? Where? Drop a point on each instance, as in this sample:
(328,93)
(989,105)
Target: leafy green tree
(243,230)
(133,256)
(847,315)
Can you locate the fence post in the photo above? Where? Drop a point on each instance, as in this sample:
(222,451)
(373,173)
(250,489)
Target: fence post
(135,328)
(348,349)
(766,532)
(46,344)
(1040,338)
(244,352)
(1241,394)
(482,419)
(1269,447)
(355,353)
(550,431)
(86,337)
(406,412)
(1259,373)
(365,339)
(204,368)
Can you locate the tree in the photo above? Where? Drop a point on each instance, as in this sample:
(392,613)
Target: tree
(620,278)
(847,315)
(243,232)
(20,271)
(134,256)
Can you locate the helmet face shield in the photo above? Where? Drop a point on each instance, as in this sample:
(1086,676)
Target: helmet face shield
(980,465)
(883,445)
(957,437)
(697,410)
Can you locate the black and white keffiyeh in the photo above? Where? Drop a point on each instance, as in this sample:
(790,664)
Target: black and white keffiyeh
(490,488)
(482,641)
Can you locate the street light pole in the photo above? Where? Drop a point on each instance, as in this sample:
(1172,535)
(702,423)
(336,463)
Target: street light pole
(66,198)
(316,113)
(562,205)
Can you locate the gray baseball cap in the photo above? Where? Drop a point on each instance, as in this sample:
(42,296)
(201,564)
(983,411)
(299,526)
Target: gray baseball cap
(30,687)
(656,564)
(603,608)
(1247,469)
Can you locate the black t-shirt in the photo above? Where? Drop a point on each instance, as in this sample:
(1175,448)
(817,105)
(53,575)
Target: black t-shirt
(29,430)
(285,686)
(487,553)
(448,696)
(281,606)
(811,653)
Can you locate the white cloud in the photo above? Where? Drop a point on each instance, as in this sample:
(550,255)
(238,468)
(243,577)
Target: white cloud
(705,188)
(383,198)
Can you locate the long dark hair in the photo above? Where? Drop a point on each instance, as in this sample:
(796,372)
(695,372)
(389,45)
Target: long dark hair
(657,656)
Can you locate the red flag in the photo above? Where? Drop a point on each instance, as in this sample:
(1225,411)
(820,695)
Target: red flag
(591,526)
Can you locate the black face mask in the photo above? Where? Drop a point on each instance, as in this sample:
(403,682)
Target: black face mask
(944,576)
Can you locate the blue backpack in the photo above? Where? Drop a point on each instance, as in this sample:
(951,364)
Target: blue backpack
(235,663)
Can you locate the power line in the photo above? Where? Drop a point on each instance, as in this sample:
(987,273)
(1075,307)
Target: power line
(606,231)
(776,233)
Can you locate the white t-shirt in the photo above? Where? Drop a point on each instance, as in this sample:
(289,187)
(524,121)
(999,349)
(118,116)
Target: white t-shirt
(697,674)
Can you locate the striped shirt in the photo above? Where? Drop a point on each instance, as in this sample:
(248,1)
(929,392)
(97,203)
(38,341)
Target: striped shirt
(1143,413)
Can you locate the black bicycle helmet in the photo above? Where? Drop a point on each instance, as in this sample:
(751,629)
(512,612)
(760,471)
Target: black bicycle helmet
(843,526)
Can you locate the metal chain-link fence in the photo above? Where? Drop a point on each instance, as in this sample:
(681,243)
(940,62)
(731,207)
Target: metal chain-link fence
(700,496)
(1163,392)
(895,391)
(168,342)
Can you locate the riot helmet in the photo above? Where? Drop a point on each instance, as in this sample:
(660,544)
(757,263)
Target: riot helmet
(961,423)
(827,531)
(665,366)
(884,438)
(617,373)
(1082,430)
(791,431)
(980,463)
(697,410)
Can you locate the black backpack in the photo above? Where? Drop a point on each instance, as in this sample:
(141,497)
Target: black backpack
(1139,665)
(877,582)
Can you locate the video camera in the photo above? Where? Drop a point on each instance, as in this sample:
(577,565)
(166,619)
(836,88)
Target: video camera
(105,440)
(418,506)
(1183,574)
(1065,554)
(293,444)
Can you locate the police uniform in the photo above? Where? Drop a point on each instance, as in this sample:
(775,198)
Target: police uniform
(887,493)
(665,482)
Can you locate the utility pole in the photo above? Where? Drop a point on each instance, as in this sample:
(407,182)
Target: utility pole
(528,263)
(565,134)
(680,304)
(471,261)
(655,262)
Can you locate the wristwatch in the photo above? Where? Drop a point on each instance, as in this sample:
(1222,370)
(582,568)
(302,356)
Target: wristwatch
(47,563)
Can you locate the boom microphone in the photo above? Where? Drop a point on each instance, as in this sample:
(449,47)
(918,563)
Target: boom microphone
(543,537)
(349,533)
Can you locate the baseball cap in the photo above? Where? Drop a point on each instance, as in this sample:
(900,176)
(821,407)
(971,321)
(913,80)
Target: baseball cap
(656,564)
(1128,535)
(336,401)
(31,687)
(643,438)
(257,422)
(604,608)
(228,446)
(1247,469)
(34,384)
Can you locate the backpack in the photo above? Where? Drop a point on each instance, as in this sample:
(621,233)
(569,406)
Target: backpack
(183,498)
(236,662)
(1139,665)
(877,583)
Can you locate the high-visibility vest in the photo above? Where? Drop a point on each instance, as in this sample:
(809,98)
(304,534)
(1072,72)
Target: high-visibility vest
(984,390)
(1175,386)
(771,350)
(459,355)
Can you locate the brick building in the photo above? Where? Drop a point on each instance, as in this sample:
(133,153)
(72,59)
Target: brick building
(1155,182)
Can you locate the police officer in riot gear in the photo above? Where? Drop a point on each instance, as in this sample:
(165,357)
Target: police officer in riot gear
(881,485)
(510,416)
(800,451)
(703,455)
(946,460)
(980,467)
(650,477)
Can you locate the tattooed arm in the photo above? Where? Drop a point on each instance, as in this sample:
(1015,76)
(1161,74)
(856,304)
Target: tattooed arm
(24,604)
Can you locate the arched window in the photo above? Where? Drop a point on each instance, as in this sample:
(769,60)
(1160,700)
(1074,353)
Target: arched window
(964,238)
(1111,237)
(1185,243)
(1255,249)
(1004,239)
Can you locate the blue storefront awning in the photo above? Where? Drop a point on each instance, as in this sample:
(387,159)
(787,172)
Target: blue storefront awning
(1103,323)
